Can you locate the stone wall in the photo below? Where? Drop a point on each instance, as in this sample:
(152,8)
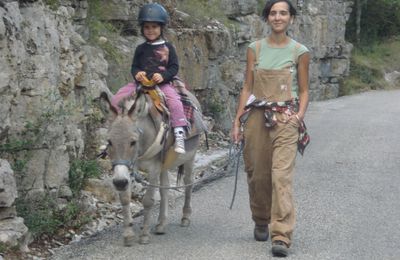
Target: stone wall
(49,76)
(13,232)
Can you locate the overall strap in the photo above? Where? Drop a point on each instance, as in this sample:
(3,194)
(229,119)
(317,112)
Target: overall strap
(258,47)
(295,53)
(295,59)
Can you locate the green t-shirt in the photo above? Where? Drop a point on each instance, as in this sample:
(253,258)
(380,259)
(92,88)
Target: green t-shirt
(278,58)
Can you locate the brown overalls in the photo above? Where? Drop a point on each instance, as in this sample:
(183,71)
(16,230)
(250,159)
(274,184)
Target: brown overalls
(269,155)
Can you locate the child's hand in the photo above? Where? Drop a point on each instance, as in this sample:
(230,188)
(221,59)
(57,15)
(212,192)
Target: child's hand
(140,76)
(157,78)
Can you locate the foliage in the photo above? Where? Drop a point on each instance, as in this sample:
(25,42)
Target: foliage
(99,27)
(3,248)
(15,145)
(380,20)
(53,4)
(41,212)
(71,216)
(42,216)
(368,65)
(21,145)
(260,6)
(80,171)
(38,213)
(202,9)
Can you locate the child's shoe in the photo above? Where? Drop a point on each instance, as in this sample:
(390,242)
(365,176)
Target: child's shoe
(179,140)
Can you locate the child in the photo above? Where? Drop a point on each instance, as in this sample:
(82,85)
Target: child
(156,60)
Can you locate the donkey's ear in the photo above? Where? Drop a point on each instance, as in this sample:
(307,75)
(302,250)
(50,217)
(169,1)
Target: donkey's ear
(140,107)
(104,96)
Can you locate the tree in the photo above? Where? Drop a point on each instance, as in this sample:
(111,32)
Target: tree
(359,7)
(373,21)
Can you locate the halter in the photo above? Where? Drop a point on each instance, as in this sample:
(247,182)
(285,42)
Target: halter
(126,163)
(153,149)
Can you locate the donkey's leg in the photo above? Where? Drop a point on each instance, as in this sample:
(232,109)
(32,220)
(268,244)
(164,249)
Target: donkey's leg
(122,184)
(128,234)
(188,179)
(163,215)
(148,202)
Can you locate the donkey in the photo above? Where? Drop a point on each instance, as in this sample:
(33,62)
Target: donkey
(138,138)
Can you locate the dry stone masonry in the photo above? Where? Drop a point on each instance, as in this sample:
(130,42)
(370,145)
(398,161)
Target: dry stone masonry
(13,232)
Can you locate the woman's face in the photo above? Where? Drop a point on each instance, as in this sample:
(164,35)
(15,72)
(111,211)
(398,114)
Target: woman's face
(151,31)
(279,17)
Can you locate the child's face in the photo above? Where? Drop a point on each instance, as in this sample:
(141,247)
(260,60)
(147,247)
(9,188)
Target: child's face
(151,31)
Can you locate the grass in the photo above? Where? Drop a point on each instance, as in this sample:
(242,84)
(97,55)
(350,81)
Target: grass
(42,216)
(203,10)
(99,27)
(53,4)
(80,171)
(40,212)
(369,65)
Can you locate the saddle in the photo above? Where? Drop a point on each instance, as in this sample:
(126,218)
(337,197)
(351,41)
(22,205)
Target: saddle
(192,113)
(150,88)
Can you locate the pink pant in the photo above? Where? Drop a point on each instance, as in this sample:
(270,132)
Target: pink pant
(172,99)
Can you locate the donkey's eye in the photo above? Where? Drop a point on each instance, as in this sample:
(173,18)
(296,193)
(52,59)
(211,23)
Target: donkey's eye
(133,143)
(109,142)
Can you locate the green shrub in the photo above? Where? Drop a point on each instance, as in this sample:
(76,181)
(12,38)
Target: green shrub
(53,4)
(3,248)
(80,171)
(200,10)
(39,213)
(369,65)
(15,145)
(380,20)
(98,26)
(71,216)
(42,216)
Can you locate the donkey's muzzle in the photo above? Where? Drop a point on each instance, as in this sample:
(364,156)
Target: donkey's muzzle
(120,184)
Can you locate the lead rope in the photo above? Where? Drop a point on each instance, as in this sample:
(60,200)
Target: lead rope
(232,155)
(239,150)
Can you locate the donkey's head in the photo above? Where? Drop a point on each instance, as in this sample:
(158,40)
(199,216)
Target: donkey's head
(124,137)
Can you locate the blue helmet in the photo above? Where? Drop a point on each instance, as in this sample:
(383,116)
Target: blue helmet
(153,13)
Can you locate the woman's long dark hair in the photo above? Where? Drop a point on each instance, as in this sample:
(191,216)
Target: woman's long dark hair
(270,3)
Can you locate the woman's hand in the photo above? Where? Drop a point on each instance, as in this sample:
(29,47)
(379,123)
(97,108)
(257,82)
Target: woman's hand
(299,117)
(236,133)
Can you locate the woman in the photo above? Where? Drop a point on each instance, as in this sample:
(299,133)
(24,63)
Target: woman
(271,109)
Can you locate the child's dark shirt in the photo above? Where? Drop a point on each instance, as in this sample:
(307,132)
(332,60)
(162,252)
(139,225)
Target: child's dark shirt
(156,58)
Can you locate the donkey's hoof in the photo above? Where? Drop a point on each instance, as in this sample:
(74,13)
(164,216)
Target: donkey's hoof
(129,240)
(185,222)
(144,239)
(160,229)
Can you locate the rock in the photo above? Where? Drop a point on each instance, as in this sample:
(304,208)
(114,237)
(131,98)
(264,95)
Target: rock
(13,231)
(65,192)
(8,212)
(8,187)
(102,189)
(102,40)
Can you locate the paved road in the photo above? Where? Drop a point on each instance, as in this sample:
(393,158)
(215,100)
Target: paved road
(347,189)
